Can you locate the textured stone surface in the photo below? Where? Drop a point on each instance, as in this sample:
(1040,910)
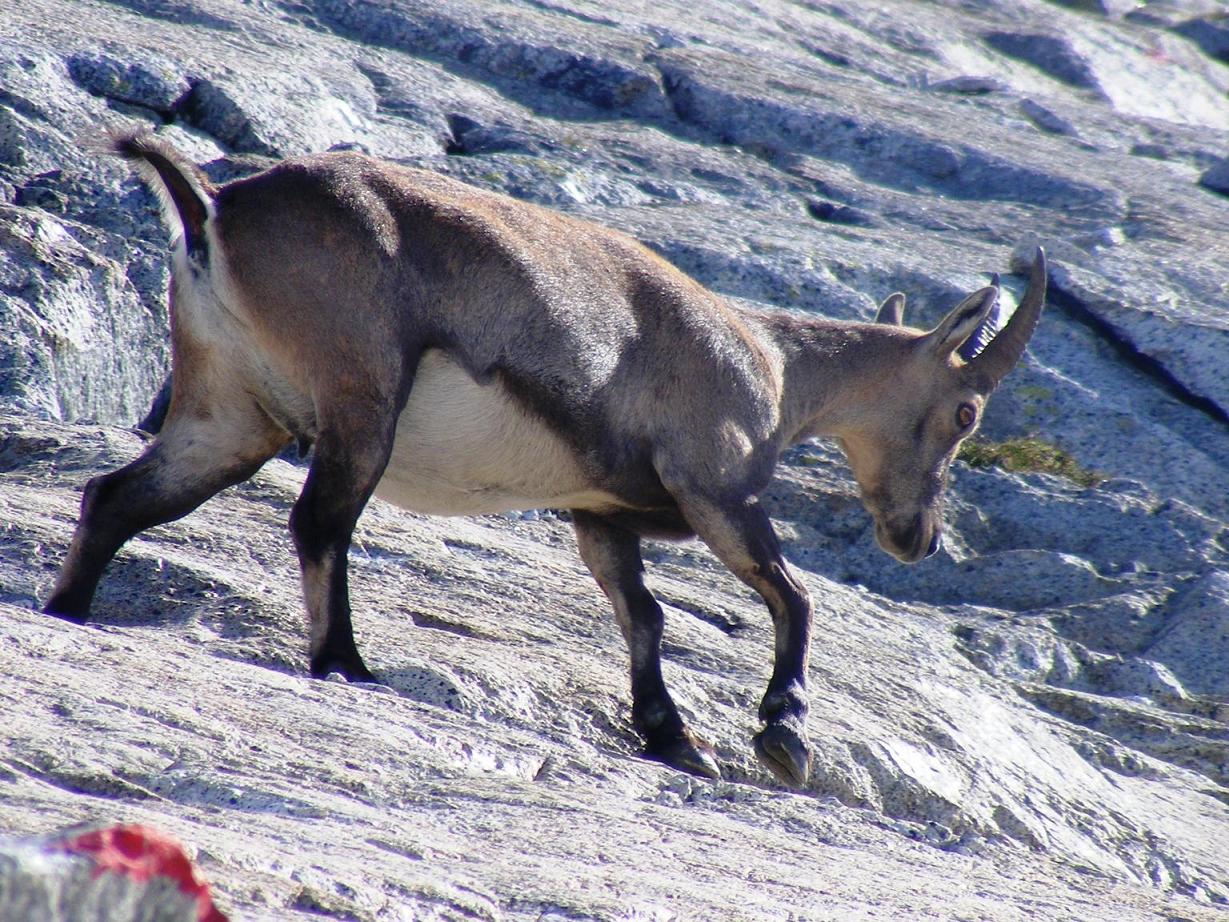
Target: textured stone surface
(1029,725)
(971,763)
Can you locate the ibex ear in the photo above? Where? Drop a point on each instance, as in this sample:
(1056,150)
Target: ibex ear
(892,310)
(961,323)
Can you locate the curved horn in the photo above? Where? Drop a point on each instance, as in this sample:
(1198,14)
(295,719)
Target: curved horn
(1001,354)
(985,331)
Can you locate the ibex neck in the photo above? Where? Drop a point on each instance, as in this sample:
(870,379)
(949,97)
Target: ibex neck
(833,371)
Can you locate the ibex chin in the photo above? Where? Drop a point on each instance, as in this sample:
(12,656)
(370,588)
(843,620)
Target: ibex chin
(456,352)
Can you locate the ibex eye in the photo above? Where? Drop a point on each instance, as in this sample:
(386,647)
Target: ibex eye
(966,415)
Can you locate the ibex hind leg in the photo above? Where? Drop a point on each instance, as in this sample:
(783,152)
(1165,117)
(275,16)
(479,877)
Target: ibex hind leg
(612,555)
(196,455)
(350,453)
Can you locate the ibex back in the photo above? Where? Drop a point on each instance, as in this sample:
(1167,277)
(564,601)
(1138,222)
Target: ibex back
(455,351)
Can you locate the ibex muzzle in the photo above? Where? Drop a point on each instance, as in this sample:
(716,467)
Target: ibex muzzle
(458,352)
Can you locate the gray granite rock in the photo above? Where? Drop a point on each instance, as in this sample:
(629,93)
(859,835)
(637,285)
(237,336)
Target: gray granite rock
(1051,54)
(956,741)
(130,75)
(1194,641)
(70,313)
(1044,698)
(1209,32)
(1217,178)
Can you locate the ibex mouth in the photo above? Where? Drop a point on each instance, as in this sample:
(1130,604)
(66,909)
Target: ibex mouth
(911,544)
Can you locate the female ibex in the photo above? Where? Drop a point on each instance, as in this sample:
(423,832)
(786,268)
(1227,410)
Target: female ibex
(455,352)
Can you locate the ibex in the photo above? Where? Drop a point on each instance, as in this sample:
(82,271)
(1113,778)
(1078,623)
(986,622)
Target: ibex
(455,351)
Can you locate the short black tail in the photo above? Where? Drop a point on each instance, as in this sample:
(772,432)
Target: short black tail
(182,187)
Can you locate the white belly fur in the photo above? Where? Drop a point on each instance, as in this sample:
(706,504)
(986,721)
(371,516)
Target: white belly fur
(465,449)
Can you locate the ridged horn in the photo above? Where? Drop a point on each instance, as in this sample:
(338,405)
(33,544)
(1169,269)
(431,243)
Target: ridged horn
(985,331)
(1002,353)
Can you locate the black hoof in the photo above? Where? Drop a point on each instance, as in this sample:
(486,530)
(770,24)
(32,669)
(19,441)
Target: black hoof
(785,752)
(688,753)
(74,617)
(351,667)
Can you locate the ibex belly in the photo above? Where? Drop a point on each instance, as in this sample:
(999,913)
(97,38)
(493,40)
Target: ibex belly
(464,448)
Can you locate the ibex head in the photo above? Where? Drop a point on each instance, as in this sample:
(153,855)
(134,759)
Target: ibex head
(928,403)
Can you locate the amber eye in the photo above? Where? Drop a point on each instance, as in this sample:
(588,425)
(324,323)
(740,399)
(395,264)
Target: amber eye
(966,416)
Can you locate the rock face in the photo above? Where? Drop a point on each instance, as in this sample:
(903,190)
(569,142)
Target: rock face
(1033,724)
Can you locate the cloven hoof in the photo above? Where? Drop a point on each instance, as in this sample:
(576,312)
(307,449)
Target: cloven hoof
(351,667)
(75,618)
(785,752)
(690,754)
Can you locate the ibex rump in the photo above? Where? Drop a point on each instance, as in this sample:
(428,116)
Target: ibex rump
(456,351)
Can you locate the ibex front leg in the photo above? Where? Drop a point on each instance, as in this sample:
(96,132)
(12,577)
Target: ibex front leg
(741,535)
(612,555)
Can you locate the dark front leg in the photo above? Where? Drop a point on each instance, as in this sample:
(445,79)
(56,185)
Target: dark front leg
(741,535)
(612,555)
(782,746)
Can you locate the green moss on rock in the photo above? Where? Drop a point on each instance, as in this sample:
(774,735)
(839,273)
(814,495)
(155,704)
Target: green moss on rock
(1027,455)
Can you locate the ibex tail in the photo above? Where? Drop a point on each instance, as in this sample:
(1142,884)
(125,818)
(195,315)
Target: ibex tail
(185,192)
